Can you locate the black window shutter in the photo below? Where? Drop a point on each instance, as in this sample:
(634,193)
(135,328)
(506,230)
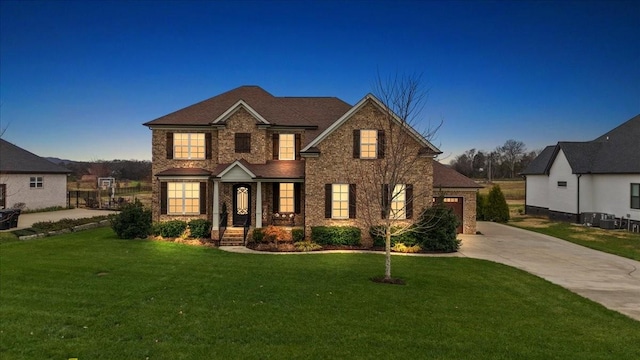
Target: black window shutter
(380,144)
(352,201)
(327,201)
(169,145)
(163,198)
(409,199)
(207,141)
(203,197)
(276,146)
(298,142)
(385,200)
(276,197)
(356,144)
(297,197)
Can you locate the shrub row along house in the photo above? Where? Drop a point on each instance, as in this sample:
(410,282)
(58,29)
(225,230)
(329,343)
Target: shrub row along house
(572,181)
(246,158)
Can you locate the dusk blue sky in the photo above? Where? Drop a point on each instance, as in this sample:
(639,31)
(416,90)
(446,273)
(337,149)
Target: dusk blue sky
(78,79)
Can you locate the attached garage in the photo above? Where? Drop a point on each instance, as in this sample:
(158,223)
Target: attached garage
(457,192)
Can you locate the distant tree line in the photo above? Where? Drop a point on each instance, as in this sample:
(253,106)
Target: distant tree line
(504,162)
(136,170)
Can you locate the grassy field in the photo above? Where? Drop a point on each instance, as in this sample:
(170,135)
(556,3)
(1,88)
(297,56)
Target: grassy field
(618,242)
(512,189)
(90,296)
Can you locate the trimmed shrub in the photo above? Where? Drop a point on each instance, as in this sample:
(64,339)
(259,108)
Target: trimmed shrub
(297,234)
(400,247)
(496,208)
(133,221)
(481,205)
(258,235)
(200,228)
(170,229)
(408,238)
(336,235)
(436,229)
(275,234)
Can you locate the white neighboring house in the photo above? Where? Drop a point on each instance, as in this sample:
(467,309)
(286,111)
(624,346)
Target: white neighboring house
(30,179)
(599,176)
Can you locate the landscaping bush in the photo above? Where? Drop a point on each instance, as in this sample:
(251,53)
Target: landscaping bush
(481,205)
(275,234)
(200,228)
(258,235)
(336,235)
(297,234)
(400,247)
(306,246)
(133,221)
(408,238)
(496,208)
(436,229)
(170,229)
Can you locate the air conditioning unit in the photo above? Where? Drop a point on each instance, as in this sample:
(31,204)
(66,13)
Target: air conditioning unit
(608,224)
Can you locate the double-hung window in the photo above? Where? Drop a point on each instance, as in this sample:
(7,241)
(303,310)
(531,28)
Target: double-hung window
(35,182)
(286,198)
(368,144)
(183,197)
(188,146)
(287,147)
(635,196)
(340,201)
(398,202)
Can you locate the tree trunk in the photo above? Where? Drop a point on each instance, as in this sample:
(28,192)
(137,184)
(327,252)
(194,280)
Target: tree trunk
(387,249)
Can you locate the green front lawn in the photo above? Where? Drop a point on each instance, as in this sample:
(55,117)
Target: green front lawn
(90,296)
(617,242)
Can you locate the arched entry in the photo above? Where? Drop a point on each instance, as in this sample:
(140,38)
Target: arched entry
(241,204)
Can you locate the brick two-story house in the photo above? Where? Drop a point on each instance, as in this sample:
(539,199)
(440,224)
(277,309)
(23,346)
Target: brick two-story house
(275,160)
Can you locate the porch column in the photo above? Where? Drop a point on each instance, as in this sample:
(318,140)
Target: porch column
(216,210)
(259,205)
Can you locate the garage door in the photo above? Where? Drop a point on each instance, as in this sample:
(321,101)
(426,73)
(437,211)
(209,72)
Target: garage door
(455,203)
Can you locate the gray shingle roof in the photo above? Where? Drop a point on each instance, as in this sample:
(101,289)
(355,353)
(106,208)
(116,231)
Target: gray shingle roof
(616,152)
(15,160)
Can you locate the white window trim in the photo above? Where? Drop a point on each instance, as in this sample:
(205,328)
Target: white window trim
(375,143)
(292,147)
(36,180)
(183,198)
(189,146)
(631,196)
(334,188)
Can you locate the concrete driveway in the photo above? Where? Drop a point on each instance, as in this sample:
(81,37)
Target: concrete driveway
(610,280)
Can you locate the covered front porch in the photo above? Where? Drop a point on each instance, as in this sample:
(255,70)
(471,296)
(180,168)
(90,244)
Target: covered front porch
(244,198)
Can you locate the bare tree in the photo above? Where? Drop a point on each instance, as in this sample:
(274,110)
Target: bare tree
(512,151)
(395,186)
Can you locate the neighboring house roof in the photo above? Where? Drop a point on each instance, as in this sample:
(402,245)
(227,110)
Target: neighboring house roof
(314,113)
(15,160)
(616,152)
(446,177)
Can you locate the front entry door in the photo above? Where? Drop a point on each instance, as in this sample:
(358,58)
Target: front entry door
(241,204)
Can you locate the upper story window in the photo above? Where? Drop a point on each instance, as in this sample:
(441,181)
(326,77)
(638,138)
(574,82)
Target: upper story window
(635,196)
(188,146)
(562,184)
(35,182)
(287,147)
(368,144)
(243,142)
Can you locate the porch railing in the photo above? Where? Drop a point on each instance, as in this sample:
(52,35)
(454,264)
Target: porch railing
(245,232)
(223,225)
